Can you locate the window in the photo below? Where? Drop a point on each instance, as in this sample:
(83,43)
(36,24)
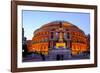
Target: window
(68,35)
(52,35)
(56,34)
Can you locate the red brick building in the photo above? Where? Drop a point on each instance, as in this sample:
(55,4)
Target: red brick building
(59,34)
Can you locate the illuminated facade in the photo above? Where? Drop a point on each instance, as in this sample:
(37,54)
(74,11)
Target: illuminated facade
(59,35)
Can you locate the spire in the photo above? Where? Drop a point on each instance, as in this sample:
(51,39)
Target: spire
(60,24)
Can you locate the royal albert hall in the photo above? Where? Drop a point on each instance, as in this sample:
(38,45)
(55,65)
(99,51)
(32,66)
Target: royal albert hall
(59,37)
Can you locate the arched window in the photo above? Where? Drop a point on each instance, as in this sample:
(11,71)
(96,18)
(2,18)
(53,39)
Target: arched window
(65,35)
(68,35)
(57,35)
(52,35)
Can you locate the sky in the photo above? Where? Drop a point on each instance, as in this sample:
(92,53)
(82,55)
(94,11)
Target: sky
(32,20)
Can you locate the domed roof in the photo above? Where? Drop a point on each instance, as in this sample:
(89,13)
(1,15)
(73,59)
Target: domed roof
(59,23)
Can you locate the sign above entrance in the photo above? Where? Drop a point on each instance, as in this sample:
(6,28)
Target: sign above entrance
(60,45)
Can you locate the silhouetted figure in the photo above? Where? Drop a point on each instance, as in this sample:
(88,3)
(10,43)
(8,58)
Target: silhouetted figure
(43,57)
(58,57)
(62,57)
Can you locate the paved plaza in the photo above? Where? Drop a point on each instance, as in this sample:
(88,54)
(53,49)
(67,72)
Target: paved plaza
(55,55)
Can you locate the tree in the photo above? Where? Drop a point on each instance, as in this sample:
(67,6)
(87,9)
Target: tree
(24,48)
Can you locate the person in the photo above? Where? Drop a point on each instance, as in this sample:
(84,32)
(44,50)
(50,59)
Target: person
(58,57)
(43,57)
(62,57)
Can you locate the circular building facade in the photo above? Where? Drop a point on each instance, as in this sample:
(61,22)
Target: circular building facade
(59,35)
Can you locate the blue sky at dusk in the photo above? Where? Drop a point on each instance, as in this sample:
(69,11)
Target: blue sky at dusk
(33,20)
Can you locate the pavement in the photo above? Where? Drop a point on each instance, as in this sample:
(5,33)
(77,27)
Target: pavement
(37,57)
